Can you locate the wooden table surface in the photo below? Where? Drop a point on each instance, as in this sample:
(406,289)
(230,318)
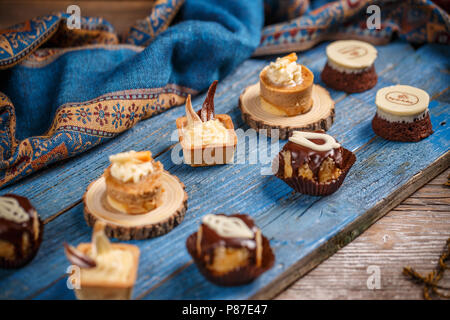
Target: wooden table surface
(413,234)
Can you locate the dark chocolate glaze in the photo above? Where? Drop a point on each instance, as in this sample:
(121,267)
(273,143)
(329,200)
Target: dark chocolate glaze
(211,240)
(301,155)
(12,232)
(206,113)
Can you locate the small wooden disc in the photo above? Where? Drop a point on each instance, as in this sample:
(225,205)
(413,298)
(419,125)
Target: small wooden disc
(321,115)
(140,226)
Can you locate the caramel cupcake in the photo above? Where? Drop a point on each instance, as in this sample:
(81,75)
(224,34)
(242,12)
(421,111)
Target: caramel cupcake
(286,87)
(313,163)
(106,271)
(132,182)
(350,66)
(20,231)
(230,250)
(402,114)
(206,138)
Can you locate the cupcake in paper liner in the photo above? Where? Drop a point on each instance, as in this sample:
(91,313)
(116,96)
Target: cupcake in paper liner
(229,250)
(21,231)
(313,163)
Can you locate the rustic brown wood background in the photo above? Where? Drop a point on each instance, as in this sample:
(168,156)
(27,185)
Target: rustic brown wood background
(122,14)
(413,234)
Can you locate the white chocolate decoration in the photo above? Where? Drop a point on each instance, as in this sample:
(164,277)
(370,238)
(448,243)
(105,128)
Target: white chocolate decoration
(401,100)
(206,133)
(112,264)
(285,71)
(351,54)
(301,138)
(11,210)
(131,165)
(228,227)
(191,115)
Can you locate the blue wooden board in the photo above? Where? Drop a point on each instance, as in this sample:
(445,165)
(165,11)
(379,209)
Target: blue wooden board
(303,230)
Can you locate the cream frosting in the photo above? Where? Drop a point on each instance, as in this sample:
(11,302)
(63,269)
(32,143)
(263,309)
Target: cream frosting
(128,166)
(114,265)
(285,71)
(11,210)
(206,133)
(228,227)
(302,138)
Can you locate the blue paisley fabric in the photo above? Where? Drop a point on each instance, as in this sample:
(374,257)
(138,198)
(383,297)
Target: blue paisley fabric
(64,91)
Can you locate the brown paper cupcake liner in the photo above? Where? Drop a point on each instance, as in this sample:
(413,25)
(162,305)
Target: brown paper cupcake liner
(22,261)
(313,188)
(238,276)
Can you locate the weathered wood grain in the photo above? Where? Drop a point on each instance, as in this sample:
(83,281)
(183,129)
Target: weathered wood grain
(296,224)
(413,234)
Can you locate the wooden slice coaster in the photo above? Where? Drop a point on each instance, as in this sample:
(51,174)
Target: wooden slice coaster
(321,115)
(141,226)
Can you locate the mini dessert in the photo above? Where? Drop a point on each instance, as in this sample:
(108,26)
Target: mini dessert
(350,66)
(230,250)
(313,163)
(135,197)
(107,271)
(20,231)
(402,114)
(286,87)
(207,139)
(132,182)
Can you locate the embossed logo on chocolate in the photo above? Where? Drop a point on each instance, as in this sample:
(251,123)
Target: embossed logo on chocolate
(403,98)
(353,51)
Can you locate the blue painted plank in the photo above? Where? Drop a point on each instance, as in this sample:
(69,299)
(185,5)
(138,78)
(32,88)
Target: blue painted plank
(62,184)
(241,188)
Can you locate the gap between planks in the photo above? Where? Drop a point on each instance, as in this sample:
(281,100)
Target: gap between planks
(352,230)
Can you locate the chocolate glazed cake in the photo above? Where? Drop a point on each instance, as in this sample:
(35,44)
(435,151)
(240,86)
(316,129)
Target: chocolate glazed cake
(231,259)
(313,163)
(20,231)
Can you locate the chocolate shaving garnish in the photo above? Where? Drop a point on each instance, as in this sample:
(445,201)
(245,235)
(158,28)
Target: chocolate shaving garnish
(78,258)
(206,113)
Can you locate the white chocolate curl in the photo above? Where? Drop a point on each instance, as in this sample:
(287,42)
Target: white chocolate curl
(301,138)
(228,227)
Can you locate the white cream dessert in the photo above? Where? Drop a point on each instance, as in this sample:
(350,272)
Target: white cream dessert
(285,71)
(206,133)
(107,271)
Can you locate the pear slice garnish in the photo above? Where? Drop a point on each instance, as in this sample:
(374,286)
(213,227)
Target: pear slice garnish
(192,116)
(78,258)
(100,242)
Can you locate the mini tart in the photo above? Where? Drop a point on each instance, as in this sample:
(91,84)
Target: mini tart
(206,154)
(288,100)
(313,163)
(230,260)
(350,66)
(21,231)
(402,114)
(102,285)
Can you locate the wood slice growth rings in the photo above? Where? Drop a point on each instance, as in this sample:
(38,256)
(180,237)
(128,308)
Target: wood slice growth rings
(321,115)
(142,226)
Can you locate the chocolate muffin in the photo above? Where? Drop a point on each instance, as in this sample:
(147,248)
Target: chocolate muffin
(350,66)
(230,250)
(402,114)
(20,231)
(313,163)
